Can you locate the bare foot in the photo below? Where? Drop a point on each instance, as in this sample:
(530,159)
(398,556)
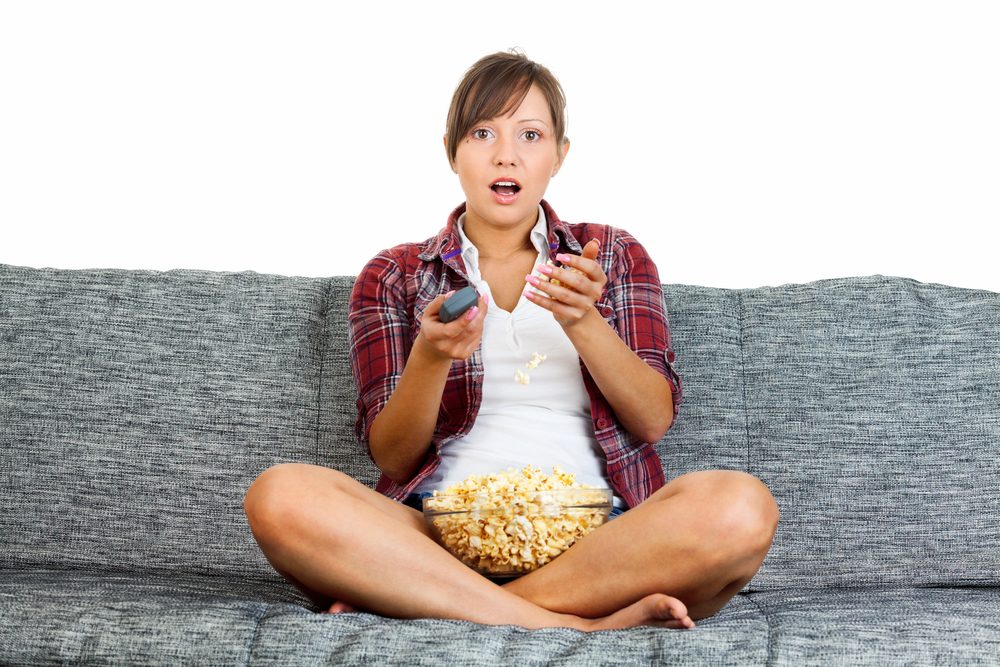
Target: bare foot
(657,609)
(339,607)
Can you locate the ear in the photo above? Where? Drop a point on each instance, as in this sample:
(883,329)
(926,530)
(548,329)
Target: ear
(563,150)
(447,154)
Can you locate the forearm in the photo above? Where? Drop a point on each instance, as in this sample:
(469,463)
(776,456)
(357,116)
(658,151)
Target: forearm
(640,397)
(401,433)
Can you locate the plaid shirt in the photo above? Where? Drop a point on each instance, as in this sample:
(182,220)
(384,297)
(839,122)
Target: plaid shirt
(393,290)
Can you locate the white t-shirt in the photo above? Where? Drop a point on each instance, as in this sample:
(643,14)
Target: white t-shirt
(546,422)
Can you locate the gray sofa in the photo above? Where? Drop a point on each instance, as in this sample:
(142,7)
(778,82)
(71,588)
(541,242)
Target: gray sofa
(137,406)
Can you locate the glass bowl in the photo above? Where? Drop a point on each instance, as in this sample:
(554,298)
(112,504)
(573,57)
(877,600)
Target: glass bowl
(504,536)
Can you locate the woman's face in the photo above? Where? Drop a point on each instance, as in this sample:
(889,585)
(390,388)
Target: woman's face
(504,164)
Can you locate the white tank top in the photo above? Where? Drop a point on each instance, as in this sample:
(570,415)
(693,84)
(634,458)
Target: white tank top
(546,422)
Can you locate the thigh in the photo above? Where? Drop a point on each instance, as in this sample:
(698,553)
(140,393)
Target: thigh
(708,482)
(319,481)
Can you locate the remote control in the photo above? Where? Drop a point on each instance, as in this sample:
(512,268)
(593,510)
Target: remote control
(458,303)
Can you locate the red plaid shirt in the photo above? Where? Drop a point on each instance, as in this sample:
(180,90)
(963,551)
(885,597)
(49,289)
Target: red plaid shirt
(394,288)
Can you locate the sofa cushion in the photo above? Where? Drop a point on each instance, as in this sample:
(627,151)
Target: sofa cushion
(136,407)
(710,431)
(338,445)
(882,626)
(291,635)
(873,414)
(67,617)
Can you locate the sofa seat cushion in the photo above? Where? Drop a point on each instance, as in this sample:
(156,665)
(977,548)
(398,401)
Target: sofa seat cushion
(90,617)
(78,617)
(293,635)
(883,626)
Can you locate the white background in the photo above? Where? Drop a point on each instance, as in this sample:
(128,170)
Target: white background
(744,143)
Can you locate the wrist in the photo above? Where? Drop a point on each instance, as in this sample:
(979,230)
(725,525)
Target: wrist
(590,317)
(427,353)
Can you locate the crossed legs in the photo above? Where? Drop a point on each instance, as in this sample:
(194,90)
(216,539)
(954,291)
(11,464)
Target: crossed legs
(684,552)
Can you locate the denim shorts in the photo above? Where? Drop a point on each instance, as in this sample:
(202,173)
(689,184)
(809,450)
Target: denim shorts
(416,501)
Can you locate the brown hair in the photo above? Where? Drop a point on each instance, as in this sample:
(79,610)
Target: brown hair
(497,84)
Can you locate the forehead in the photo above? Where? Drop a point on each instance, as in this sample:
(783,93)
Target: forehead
(534,106)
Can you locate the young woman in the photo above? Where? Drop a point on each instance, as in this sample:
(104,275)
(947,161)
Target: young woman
(439,401)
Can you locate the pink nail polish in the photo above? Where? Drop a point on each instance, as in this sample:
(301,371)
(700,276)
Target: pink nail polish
(547,270)
(472,313)
(562,257)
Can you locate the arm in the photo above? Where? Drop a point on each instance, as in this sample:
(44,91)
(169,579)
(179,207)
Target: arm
(400,386)
(401,433)
(640,397)
(629,367)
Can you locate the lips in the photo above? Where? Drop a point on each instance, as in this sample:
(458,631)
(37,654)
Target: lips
(505,190)
(505,186)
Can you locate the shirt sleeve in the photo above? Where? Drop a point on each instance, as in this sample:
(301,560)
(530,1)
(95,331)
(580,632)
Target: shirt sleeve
(636,295)
(379,324)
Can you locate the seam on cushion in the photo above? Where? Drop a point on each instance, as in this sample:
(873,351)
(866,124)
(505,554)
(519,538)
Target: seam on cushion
(322,362)
(253,636)
(767,620)
(743,374)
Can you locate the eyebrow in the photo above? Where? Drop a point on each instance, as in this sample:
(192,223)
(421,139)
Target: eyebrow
(533,120)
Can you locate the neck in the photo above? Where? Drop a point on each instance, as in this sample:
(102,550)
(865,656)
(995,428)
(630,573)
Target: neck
(495,242)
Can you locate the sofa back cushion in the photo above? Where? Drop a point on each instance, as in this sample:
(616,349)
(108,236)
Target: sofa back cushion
(136,407)
(338,445)
(872,411)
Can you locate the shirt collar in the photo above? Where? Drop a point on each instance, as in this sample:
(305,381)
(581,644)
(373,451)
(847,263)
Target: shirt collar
(448,242)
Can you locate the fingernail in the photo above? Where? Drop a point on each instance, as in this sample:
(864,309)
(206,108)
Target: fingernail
(449,294)
(486,298)
(546,269)
(532,279)
(472,313)
(562,257)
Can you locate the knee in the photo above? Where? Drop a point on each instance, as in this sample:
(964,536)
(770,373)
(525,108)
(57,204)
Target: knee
(744,511)
(274,502)
(750,514)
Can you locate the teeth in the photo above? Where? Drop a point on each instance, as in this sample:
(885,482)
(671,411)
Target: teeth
(507,183)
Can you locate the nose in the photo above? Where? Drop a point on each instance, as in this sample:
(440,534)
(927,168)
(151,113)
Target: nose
(505,151)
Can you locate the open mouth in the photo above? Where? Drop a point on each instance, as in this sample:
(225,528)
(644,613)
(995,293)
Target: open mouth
(505,186)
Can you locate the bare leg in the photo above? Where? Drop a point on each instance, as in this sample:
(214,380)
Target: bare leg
(376,554)
(700,538)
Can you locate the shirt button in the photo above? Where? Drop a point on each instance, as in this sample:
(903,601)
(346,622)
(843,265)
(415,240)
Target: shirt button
(602,423)
(670,356)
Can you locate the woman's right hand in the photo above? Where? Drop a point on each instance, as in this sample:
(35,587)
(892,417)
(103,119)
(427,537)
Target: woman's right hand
(457,339)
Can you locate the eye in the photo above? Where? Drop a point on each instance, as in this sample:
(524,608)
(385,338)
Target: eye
(532,135)
(481,133)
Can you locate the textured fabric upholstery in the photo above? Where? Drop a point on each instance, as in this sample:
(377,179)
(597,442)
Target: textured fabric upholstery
(339,447)
(873,414)
(882,626)
(136,407)
(292,635)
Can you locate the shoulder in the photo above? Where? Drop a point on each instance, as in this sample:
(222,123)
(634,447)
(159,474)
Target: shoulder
(392,272)
(404,259)
(613,239)
(621,253)
(616,243)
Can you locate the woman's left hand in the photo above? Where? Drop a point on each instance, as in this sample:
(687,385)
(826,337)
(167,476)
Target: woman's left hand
(582,284)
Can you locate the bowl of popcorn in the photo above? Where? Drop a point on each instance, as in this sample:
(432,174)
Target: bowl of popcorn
(510,523)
